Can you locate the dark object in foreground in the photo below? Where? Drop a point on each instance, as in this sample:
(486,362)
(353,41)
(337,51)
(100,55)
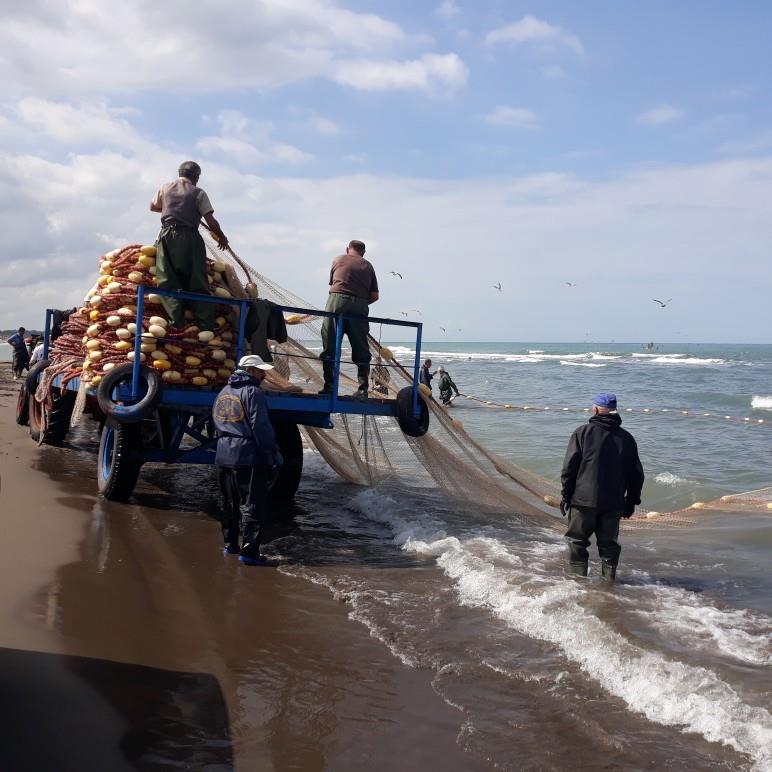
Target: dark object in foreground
(76,713)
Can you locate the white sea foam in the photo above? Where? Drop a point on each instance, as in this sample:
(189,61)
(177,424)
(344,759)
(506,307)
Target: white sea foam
(535,351)
(581,364)
(761,403)
(668,478)
(672,360)
(489,574)
(697,624)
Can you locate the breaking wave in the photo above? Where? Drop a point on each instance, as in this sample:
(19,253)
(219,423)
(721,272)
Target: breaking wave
(761,403)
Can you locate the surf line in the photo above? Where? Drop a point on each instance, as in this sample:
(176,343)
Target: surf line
(746,420)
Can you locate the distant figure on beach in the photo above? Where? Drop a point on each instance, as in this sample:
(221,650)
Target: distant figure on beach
(353,288)
(181,257)
(247,455)
(601,481)
(447,386)
(20,353)
(425,374)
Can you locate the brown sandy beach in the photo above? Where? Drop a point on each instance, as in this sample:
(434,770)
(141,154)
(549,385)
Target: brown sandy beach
(129,642)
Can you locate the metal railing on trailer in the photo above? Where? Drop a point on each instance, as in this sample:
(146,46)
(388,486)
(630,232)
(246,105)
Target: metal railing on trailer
(138,430)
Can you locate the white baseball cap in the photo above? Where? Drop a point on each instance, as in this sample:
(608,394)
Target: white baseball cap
(253,360)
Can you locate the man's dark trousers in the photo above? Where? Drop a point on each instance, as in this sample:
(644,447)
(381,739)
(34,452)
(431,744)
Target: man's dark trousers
(356,330)
(181,265)
(583,522)
(245,492)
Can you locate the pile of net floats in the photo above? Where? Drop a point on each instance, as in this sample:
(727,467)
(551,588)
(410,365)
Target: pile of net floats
(101,334)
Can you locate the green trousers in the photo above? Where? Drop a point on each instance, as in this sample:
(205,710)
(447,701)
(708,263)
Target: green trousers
(181,265)
(356,330)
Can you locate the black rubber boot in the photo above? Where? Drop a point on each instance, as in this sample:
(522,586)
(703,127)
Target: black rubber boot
(607,571)
(577,569)
(363,377)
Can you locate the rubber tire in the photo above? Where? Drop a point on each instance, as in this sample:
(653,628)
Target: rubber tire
(35,417)
(119,460)
(31,378)
(410,425)
(22,407)
(282,489)
(129,414)
(57,421)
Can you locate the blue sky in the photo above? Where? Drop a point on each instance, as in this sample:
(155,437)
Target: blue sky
(624,147)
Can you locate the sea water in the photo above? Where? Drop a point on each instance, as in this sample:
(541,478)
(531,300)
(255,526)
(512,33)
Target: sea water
(674,662)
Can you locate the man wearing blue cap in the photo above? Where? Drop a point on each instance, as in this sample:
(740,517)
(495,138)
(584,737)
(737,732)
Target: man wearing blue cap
(601,481)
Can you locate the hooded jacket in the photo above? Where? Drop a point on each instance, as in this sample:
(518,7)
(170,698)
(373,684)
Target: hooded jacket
(601,468)
(245,436)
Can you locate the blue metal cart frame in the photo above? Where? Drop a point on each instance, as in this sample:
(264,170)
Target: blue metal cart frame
(186,411)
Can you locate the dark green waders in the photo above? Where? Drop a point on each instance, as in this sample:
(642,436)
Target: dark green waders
(583,522)
(181,265)
(356,330)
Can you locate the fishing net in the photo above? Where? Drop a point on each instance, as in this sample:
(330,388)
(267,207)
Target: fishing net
(367,450)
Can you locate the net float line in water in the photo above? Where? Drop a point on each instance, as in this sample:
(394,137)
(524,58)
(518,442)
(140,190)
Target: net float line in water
(367,450)
(675,412)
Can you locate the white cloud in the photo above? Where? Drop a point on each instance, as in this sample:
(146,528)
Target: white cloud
(692,228)
(432,73)
(324,126)
(249,142)
(535,32)
(79,46)
(659,115)
(514,117)
(761,143)
(447,9)
(554,72)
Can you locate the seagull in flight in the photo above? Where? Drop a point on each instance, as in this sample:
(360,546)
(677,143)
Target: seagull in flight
(570,284)
(404,313)
(497,286)
(396,273)
(663,303)
(442,328)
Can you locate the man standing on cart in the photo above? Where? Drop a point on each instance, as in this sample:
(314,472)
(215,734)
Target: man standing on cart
(181,256)
(247,456)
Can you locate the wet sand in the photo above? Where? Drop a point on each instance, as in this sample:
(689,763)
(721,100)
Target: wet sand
(129,642)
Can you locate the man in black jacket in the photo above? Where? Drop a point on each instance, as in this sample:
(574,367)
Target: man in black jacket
(601,481)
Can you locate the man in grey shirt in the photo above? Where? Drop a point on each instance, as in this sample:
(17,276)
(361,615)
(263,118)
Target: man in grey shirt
(181,256)
(353,287)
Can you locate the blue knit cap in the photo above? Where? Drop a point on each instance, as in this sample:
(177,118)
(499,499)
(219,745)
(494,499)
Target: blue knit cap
(606,399)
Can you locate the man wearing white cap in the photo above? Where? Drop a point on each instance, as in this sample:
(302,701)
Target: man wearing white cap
(246,454)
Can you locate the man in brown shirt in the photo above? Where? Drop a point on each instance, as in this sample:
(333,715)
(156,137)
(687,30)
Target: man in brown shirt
(353,287)
(181,257)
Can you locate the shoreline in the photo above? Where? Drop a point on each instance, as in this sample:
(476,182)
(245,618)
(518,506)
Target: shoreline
(130,611)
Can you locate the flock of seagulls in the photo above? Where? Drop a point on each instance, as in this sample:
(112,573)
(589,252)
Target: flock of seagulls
(499,288)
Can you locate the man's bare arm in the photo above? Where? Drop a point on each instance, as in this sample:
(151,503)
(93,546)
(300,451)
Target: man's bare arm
(154,207)
(373,298)
(214,226)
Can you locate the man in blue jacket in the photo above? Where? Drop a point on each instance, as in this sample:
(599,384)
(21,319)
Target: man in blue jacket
(601,481)
(247,454)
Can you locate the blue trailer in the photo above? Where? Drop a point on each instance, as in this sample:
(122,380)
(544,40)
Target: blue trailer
(146,420)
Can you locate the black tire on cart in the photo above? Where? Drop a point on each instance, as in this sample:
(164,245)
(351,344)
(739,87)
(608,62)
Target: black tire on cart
(129,414)
(283,488)
(33,376)
(410,425)
(22,407)
(119,460)
(50,427)
(28,387)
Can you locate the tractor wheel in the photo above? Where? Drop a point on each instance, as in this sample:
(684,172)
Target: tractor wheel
(119,460)
(283,488)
